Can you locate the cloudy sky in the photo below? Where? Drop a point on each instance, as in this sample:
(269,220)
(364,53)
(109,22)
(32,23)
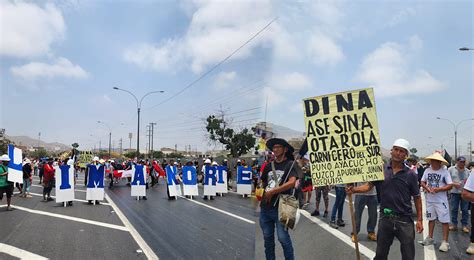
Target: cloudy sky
(60,60)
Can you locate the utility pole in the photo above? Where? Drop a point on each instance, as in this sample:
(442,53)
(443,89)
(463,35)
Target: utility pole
(120,142)
(100,145)
(130,137)
(176,148)
(152,133)
(470,151)
(39,139)
(148,134)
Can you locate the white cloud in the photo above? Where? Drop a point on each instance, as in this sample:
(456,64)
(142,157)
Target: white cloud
(401,16)
(297,107)
(275,98)
(324,50)
(62,67)
(29,30)
(389,71)
(224,80)
(291,81)
(161,58)
(416,43)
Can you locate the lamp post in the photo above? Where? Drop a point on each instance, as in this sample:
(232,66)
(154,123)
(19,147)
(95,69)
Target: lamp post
(110,136)
(139,104)
(466,49)
(455,127)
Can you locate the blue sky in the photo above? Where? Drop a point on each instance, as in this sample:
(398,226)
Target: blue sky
(60,60)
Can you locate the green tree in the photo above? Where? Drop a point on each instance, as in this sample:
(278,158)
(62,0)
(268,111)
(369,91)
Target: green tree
(237,143)
(413,150)
(39,153)
(158,154)
(175,155)
(4,145)
(75,145)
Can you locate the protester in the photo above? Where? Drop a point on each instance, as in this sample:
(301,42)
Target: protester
(281,180)
(27,178)
(459,175)
(468,195)
(324,192)
(96,162)
(48,180)
(369,200)
(5,185)
(396,190)
(437,182)
(307,187)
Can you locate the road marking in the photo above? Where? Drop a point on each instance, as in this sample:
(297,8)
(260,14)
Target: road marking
(41,195)
(429,251)
(220,210)
(140,241)
(338,234)
(19,253)
(87,221)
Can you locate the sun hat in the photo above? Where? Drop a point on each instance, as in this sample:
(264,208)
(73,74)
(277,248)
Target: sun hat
(436,157)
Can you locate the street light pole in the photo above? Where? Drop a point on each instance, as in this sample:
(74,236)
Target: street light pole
(455,126)
(110,137)
(139,103)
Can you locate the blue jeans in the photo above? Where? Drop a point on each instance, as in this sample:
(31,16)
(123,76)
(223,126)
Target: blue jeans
(26,185)
(455,201)
(339,203)
(268,221)
(360,202)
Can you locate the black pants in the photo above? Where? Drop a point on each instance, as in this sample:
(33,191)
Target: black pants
(399,227)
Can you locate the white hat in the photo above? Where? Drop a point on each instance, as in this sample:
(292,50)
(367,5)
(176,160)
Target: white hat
(214,163)
(5,158)
(95,158)
(238,160)
(26,161)
(102,161)
(436,157)
(175,163)
(207,161)
(402,143)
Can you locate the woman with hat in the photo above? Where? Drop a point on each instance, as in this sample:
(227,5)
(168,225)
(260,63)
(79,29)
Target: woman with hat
(5,185)
(436,182)
(27,178)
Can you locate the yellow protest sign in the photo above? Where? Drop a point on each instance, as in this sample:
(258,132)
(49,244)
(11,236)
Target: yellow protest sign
(85,157)
(343,138)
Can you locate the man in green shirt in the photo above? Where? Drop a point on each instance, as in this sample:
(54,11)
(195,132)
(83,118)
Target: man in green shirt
(5,185)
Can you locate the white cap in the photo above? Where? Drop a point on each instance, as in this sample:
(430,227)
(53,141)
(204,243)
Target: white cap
(5,158)
(207,161)
(214,163)
(402,143)
(95,158)
(238,160)
(175,163)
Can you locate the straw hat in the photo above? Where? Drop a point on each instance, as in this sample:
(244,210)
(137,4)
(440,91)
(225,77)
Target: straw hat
(437,157)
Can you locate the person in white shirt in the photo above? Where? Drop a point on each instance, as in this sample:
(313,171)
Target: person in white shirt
(436,182)
(468,195)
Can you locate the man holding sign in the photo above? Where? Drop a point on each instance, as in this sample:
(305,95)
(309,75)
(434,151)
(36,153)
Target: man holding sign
(5,185)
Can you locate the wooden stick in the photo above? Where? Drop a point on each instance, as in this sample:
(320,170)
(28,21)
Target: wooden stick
(354,232)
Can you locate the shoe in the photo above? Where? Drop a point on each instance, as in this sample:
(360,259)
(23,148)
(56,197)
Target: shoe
(325,214)
(453,228)
(470,249)
(144,198)
(50,199)
(372,236)
(341,222)
(465,229)
(29,196)
(9,208)
(315,213)
(444,247)
(428,241)
(353,238)
(333,224)
(70,203)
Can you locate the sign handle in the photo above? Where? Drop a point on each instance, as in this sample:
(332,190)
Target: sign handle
(64,204)
(351,209)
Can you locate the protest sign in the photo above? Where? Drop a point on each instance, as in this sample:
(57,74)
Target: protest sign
(138,185)
(173,185)
(64,175)
(190,187)
(210,180)
(343,138)
(95,182)
(15,172)
(85,157)
(221,184)
(244,180)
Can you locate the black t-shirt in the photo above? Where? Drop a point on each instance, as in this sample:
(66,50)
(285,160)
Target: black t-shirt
(26,171)
(282,171)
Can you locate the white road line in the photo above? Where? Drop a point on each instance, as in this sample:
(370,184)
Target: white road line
(429,251)
(138,238)
(343,237)
(220,210)
(41,195)
(19,253)
(87,221)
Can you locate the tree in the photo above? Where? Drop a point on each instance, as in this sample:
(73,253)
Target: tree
(75,145)
(158,154)
(39,153)
(4,145)
(413,150)
(237,143)
(175,155)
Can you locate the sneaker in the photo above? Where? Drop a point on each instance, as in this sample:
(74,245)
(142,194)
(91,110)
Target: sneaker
(453,228)
(29,196)
(50,199)
(353,238)
(470,249)
(372,236)
(341,222)
(325,214)
(333,224)
(444,247)
(428,241)
(315,213)
(465,229)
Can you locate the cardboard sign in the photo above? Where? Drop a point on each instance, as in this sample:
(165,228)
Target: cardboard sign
(138,184)
(244,180)
(64,175)
(221,185)
(210,180)
(343,138)
(190,187)
(173,184)
(15,171)
(95,182)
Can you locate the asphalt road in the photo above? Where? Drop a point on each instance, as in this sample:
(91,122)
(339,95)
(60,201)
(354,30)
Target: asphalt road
(314,239)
